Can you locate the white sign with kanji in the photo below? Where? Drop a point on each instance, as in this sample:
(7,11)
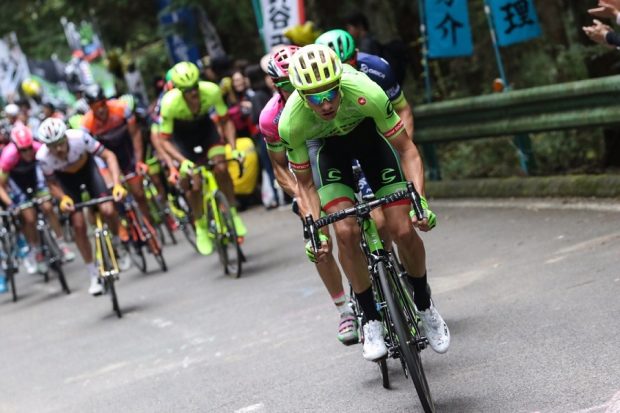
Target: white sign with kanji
(277,16)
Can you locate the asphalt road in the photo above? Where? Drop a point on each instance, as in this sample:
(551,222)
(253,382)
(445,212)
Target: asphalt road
(530,295)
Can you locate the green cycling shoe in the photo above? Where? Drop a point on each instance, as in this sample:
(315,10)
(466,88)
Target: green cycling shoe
(240,228)
(203,241)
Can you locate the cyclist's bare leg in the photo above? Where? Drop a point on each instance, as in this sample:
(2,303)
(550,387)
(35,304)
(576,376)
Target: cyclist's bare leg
(192,186)
(223,179)
(78,222)
(351,257)
(379,218)
(29,226)
(137,191)
(110,216)
(52,218)
(159,185)
(410,246)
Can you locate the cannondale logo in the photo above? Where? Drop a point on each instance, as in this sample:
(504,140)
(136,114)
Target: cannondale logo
(388,176)
(333,175)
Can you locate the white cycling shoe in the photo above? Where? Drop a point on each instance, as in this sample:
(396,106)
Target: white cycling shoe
(374,345)
(435,329)
(95,287)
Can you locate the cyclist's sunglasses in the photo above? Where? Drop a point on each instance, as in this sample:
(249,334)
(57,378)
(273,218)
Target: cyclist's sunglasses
(318,98)
(25,149)
(285,85)
(189,88)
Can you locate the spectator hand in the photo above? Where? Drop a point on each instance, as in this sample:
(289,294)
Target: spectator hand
(597,32)
(604,12)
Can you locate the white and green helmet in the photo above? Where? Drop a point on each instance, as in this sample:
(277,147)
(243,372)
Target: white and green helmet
(314,66)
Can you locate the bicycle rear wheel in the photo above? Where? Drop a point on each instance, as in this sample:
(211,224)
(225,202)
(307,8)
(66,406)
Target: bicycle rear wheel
(134,245)
(226,240)
(109,280)
(407,342)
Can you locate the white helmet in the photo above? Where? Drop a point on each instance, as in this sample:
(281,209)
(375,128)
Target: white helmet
(11,109)
(52,130)
(314,66)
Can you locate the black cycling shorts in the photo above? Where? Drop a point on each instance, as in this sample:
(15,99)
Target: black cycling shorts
(89,176)
(331,163)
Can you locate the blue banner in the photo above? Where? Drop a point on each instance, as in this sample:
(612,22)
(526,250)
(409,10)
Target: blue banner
(515,21)
(448,28)
(182,30)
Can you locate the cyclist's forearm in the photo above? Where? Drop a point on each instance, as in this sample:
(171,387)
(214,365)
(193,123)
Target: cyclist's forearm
(171,151)
(308,197)
(4,196)
(54,187)
(136,139)
(230,132)
(284,176)
(411,161)
(112,162)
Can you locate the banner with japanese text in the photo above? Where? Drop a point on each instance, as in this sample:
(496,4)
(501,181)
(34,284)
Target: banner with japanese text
(448,28)
(180,28)
(273,16)
(515,21)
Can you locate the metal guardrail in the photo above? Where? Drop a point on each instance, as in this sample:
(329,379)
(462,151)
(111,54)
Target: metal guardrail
(586,103)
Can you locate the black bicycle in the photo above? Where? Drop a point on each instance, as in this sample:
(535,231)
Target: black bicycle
(8,253)
(403,338)
(105,254)
(49,247)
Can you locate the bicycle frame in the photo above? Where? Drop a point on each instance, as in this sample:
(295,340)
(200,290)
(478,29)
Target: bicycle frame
(101,235)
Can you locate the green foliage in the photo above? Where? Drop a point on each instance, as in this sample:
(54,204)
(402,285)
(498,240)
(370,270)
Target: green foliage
(478,159)
(568,151)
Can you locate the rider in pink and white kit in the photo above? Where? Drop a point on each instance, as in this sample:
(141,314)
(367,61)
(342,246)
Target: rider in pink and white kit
(268,122)
(19,175)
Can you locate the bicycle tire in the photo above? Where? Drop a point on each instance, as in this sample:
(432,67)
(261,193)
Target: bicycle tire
(227,241)
(10,276)
(11,267)
(55,258)
(410,356)
(155,248)
(385,376)
(108,281)
(136,255)
(186,223)
(134,245)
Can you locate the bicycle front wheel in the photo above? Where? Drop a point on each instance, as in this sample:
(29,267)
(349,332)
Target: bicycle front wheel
(407,344)
(109,278)
(226,239)
(54,257)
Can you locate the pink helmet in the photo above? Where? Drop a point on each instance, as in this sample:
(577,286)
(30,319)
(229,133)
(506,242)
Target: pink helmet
(21,136)
(278,64)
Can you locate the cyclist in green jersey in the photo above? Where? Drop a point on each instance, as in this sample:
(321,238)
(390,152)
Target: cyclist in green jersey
(355,119)
(186,118)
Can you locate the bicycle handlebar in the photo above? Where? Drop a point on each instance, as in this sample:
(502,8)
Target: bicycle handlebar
(361,209)
(210,164)
(93,202)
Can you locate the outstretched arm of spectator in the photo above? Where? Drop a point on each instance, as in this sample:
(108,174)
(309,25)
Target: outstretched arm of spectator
(604,12)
